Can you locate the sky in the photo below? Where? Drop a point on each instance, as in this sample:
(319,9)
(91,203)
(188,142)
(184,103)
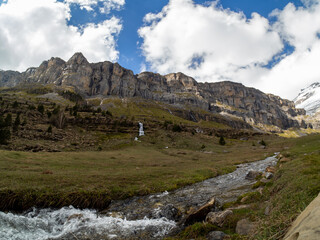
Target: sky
(272,45)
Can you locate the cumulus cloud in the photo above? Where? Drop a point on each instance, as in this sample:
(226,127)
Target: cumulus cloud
(34,30)
(213,44)
(207,42)
(300,27)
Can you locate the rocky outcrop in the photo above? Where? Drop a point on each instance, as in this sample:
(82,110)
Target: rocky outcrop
(307,225)
(110,79)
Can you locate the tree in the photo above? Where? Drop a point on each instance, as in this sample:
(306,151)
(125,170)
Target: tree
(15,104)
(49,130)
(5,133)
(8,120)
(16,122)
(222,141)
(41,108)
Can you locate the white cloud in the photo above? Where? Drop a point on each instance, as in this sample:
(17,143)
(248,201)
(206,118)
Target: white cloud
(300,27)
(108,5)
(213,44)
(34,30)
(206,42)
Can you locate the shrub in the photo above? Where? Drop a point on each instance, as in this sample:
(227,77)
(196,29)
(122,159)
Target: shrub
(40,108)
(263,143)
(16,123)
(8,120)
(176,128)
(5,135)
(222,141)
(15,104)
(49,130)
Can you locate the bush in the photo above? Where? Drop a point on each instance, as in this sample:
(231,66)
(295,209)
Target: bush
(15,104)
(263,143)
(49,130)
(41,108)
(5,135)
(16,123)
(176,128)
(222,141)
(8,120)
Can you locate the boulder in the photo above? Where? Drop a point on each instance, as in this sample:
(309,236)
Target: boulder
(271,169)
(216,235)
(284,160)
(245,227)
(218,218)
(252,175)
(200,213)
(307,225)
(170,212)
(268,175)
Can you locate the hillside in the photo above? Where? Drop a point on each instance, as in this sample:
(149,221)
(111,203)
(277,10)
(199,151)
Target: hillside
(105,79)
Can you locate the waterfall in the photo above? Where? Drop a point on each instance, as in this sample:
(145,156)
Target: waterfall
(141,132)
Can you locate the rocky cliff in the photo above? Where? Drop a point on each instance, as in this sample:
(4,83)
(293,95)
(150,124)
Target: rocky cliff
(106,79)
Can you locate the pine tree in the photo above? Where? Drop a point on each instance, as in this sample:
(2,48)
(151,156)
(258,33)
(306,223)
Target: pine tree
(222,141)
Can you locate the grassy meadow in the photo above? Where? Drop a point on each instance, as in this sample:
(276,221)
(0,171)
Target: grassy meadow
(158,162)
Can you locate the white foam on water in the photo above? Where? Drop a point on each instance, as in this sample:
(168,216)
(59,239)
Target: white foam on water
(141,132)
(54,224)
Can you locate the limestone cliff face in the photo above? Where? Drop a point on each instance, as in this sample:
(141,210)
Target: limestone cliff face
(110,79)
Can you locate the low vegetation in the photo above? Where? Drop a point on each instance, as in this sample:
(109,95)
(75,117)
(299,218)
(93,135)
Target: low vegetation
(56,150)
(295,185)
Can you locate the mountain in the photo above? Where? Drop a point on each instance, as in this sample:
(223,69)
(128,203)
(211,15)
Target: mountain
(107,79)
(309,99)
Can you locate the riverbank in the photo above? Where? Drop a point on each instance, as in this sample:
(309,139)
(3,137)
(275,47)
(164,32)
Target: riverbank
(92,179)
(295,184)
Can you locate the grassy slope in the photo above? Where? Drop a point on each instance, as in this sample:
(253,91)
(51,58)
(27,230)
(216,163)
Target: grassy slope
(91,179)
(295,185)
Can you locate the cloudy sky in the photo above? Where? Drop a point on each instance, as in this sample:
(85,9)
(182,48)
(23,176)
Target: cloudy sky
(272,45)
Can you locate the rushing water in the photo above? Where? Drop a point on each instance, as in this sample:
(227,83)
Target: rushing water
(148,217)
(141,132)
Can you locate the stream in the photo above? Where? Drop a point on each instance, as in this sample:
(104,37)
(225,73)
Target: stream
(147,217)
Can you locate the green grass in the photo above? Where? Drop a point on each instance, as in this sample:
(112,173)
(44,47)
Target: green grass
(91,179)
(295,185)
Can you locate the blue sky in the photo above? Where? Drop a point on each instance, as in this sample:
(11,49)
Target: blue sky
(133,12)
(272,45)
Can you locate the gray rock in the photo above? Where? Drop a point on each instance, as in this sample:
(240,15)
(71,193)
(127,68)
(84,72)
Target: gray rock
(245,227)
(200,213)
(110,79)
(216,235)
(252,175)
(170,212)
(218,218)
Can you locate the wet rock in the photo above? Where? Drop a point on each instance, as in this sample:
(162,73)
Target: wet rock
(200,214)
(217,235)
(268,175)
(75,216)
(169,211)
(218,218)
(252,175)
(245,227)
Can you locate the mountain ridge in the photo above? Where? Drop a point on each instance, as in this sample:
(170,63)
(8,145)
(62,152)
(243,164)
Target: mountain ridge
(309,98)
(107,79)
